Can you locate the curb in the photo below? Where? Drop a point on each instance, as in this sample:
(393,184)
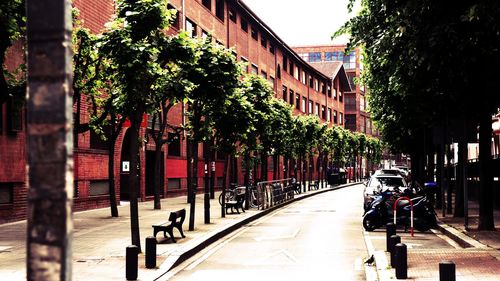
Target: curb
(189,250)
(461,238)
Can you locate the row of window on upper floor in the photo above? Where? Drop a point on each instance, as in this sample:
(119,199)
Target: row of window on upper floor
(349,60)
(288,66)
(301,103)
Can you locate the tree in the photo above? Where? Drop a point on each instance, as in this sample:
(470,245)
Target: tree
(422,61)
(177,56)
(132,44)
(215,76)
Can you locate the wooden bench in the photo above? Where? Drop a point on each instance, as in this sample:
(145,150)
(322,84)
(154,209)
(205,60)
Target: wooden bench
(313,185)
(237,201)
(174,220)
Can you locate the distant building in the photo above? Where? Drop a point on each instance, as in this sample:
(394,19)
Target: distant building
(357,119)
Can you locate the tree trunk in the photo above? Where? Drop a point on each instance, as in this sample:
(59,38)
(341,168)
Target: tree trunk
(459,180)
(49,142)
(275,167)
(157,181)
(189,167)
(206,154)
(248,170)
(440,175)
(194,184)
(135,122)
(111,170)
(224,186)
(303,167)
(486,219)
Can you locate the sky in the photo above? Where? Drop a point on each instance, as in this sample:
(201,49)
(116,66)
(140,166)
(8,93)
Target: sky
(303,23)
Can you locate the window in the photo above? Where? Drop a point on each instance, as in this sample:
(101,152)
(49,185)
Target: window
(304,104)
(6,193)
(329,91)
(175,18)
(323,112)
(271,49)
(350,103)
(173,184)
(290,69)
(244,25)
(278,71)
(219,9)
(207,4)
(340,97)
(304,56)
(351,78)
(296,72)
(350,122)
(335,118)
(255,34)
(316,109)
(255,69)
(334,56)
(263,74)
(204,34)
(190,28)
(329,115)
(291,95)
(323,88)
(314,57)
(310,82)
(174,144)
(271,79)
(335,93)
(362,104)
(350,61)
(341,118)
(310,107)
(232,15)
(245,61)
(304,78)
(99,187)
(285,93)
(285,63)
(263,41)
(316,85)
(297,101)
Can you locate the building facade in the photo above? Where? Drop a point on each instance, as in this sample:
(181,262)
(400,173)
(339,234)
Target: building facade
(357,119)
(232,24)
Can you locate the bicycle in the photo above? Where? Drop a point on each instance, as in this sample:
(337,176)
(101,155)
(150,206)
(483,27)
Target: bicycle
(254,201)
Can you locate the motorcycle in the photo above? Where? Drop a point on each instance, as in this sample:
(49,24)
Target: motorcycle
(380,211)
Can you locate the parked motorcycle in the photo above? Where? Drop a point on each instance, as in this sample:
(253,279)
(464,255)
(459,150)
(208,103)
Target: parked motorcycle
(380,211)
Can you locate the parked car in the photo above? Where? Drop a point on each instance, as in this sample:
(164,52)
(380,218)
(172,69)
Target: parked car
(393,171)
(381,182)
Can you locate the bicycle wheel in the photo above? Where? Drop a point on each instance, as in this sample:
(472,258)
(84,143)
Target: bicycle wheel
(229,196)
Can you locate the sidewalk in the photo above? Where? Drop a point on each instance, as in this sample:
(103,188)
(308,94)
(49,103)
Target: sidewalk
(99,241)
(476,254)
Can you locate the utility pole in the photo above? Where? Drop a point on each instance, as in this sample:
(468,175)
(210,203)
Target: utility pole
(50,140)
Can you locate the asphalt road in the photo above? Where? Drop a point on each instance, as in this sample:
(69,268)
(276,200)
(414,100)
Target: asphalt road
(320,238)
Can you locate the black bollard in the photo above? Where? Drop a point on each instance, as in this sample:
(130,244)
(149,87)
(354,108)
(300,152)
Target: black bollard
(447,271)
(150,252)
(131,262)
(394,239)
(390,230)
(401,261)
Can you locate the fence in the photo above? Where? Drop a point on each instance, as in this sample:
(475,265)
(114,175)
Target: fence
(275,192)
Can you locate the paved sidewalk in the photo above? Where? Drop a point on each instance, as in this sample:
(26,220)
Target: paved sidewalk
(476,254)
(99,241)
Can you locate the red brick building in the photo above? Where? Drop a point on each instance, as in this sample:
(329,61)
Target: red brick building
(310,91)
(356,118)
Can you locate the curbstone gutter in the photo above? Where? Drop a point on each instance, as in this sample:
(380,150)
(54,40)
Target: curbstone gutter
(192,248)
(461,238)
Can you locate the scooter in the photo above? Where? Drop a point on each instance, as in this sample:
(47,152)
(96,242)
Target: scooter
(380,212)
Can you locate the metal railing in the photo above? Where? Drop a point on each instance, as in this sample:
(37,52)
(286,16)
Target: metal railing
(272,193)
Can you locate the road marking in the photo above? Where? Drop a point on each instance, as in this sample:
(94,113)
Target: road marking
(263,260)
(267,238)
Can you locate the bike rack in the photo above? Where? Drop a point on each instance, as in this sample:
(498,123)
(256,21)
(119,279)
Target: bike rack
(411,211)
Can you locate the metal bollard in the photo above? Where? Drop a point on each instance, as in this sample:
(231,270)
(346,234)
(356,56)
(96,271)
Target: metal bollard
(390,230)
(447,271)
(401,261)
(131,262)
(150,252)
(395,239)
